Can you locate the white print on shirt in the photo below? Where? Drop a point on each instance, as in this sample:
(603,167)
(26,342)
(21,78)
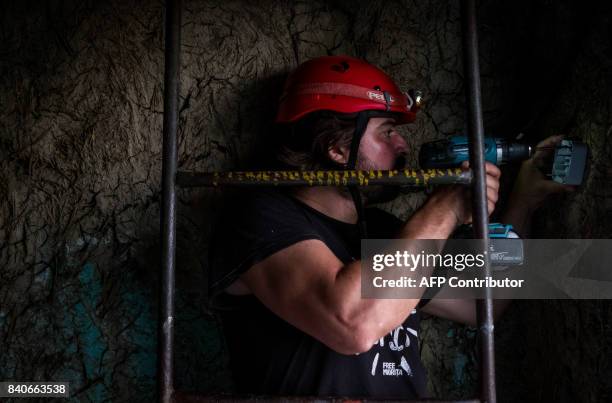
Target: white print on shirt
(398,339)
(374,364)
(405,366)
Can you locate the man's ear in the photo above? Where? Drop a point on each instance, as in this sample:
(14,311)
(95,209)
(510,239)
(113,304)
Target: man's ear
(339,154)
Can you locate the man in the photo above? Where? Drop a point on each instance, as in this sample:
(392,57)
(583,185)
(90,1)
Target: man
(286,266)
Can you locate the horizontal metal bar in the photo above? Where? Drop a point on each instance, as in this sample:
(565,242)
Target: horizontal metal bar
(182,397)
(403,177)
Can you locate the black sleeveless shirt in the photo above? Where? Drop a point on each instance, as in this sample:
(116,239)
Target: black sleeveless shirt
(271,357)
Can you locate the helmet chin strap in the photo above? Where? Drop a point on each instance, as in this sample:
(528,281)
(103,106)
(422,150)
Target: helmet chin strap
(360,126)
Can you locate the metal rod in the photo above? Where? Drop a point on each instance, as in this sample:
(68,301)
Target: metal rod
(168,223)
(183,397)
(404,177)
(480,214)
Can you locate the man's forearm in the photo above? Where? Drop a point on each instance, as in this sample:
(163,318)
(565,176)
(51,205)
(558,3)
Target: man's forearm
(433,221)
(519,215)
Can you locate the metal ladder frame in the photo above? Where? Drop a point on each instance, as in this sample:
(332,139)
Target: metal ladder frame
(169,184)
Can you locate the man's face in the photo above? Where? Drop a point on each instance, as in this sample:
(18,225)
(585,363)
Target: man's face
(381,147)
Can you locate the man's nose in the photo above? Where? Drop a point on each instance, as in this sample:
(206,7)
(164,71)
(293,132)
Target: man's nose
(401,147)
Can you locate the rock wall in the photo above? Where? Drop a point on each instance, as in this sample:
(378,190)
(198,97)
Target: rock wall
(81,96)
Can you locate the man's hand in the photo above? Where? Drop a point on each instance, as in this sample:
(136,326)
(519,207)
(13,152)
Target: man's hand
(532,187)
(456,198)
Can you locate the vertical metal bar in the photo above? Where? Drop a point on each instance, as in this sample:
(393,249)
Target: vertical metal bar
(168,221)
(479,196)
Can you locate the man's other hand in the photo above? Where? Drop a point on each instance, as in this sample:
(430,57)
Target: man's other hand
(532,187)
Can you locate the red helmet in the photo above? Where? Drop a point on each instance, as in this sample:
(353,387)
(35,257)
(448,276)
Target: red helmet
(346,85)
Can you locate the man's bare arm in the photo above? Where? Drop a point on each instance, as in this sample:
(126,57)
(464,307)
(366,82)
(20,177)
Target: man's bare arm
(309,287)
(530,190)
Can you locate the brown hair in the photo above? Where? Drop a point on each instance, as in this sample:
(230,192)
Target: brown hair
(306,143)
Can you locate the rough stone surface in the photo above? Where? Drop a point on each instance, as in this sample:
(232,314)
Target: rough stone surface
(81,100)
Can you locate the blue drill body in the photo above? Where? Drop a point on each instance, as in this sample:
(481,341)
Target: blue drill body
(453,151)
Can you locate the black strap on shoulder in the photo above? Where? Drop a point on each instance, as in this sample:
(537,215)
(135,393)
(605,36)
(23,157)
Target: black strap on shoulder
(357,200)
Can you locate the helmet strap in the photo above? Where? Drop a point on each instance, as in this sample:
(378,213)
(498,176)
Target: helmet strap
(361,124)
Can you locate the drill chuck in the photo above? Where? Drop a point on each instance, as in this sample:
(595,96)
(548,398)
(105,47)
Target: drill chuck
(510,152)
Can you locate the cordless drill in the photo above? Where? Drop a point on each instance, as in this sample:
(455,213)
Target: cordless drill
(453,151)
(568,167)
(568,163)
